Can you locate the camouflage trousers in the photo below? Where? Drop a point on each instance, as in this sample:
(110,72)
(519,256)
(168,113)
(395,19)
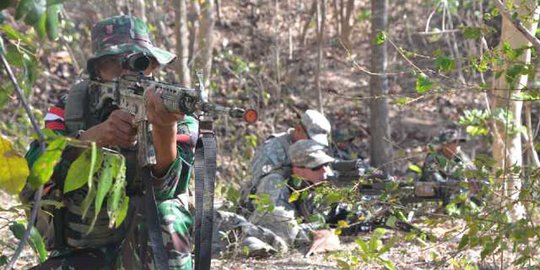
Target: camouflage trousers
(134,252)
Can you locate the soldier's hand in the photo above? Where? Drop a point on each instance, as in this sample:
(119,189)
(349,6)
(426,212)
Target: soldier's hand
(118,130)
(156,112)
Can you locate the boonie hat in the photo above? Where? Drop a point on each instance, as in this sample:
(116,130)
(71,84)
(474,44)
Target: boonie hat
(124,34)
(450,135)
(317,126)
(308,154)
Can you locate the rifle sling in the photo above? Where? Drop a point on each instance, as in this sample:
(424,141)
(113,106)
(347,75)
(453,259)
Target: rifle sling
(161,259)
(205,175)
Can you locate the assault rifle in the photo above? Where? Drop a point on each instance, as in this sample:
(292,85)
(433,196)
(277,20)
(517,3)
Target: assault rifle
(128,94)
(351,170)
(386,188)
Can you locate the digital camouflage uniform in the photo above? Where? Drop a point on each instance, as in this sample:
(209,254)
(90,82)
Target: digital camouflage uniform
(271,170)
(126,247)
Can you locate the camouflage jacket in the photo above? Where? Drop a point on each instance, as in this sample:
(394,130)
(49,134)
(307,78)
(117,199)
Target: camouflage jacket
(272,157)
(438,167)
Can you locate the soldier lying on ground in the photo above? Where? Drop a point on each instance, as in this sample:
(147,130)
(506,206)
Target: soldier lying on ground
(275,227)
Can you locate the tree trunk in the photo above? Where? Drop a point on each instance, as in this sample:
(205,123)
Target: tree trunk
(507,146)
(381,146)
(206,40)
(193,18)
(182,52)
(346,25)
(321,18)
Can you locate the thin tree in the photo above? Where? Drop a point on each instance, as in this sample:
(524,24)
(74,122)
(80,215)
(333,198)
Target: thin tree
(507,145)
(321,19)
(381,147)
(206,39)
(182,51)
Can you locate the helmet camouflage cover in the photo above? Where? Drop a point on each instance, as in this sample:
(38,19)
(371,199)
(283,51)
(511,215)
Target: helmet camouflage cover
(124,34)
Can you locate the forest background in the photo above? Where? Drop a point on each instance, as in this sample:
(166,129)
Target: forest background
(393,73)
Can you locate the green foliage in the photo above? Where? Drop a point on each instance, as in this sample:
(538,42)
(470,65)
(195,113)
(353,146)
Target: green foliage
(262,202)
(43,168)
(42,15)
(380,38)
(445,64)
(35,239)
(363,15)
(476,122)
(118,202)
(423,84)
(368,253)
(82,169)
(472,32)
(14,169)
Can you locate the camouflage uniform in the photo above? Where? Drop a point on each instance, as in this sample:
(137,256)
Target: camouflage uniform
(437,167)
(348,153)
(271,169)
(126,247)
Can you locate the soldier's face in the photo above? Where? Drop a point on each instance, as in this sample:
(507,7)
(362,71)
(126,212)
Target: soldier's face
(450,149)
(110,68)
(312,175)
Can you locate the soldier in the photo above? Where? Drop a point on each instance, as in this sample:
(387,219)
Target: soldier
(342,145)
(446,161)
(271,168)
(276,227)
(173,137)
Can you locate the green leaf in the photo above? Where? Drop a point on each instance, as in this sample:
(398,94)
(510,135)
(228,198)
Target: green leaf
(36,9)
(380,38)
(415,168)
(117,193)
(294,196)
(103,185)
(342,264)
(35,240)
(472,32)
(82,169)
(388,264)
(445,64)
(363,246)
(464,241)
(87,202)
(3,260)
(14,169)
(423,83)
(43,168)
(22,9)
(52,21)
(41,26)
(54,2)
(122,212)
(12,33)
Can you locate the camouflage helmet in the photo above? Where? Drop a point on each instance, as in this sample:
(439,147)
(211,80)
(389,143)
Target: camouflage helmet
(308,154)
(343,135)
(449,136)
(124,34)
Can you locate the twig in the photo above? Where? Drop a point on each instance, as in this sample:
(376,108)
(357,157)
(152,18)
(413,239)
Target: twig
(41,139)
